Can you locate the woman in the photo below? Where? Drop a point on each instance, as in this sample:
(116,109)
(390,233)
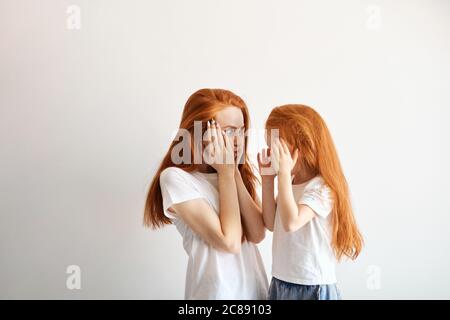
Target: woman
(212,202)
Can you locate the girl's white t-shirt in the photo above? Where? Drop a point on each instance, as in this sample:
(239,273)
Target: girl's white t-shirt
(306,256)
(211,273)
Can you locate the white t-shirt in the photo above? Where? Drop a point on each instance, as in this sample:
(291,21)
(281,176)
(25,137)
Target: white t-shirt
(211,273)
(306,256)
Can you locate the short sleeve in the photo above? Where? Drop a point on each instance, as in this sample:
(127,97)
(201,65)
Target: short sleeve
(318,196)
(176,187)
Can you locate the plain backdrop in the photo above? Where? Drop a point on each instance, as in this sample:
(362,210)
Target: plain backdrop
(87,113)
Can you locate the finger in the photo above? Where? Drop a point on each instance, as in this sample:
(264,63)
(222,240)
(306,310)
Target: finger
(208,154)
(295,156)
(275,149)
(228,145)
(240,143)
(262,160)
(208,131)
(220,136)
(267,156)
(273,146)
(275,156)
(214,134)
(225,141)
(284,146)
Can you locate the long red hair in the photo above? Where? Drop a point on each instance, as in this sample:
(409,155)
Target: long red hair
(303,128)
(202,106)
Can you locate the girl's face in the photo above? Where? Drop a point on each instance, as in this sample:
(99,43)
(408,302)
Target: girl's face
(231,121)
(267,137)
(270,133)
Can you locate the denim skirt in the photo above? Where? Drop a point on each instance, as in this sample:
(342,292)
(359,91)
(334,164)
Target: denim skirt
(282,290)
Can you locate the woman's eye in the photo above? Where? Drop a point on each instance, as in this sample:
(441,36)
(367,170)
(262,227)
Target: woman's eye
(229,131)
(234,132)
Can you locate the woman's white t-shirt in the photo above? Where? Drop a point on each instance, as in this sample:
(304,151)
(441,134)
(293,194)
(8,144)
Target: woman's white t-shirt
(211,273)
(306,256)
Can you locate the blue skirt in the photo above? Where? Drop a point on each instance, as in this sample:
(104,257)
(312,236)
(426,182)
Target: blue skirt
(282,290)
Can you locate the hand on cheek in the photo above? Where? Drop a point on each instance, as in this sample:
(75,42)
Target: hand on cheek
(286,161)
(221,154)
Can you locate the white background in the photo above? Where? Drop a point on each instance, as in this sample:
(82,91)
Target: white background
(87,114)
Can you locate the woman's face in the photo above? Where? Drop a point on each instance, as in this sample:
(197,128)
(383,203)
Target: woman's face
(231,121)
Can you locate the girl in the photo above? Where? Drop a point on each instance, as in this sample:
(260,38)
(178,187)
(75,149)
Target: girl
(312,221)
(212,202)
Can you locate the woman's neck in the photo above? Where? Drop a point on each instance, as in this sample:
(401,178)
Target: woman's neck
(205,168)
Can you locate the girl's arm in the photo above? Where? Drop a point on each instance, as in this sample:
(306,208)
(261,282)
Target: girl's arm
(267,179)
(250,212)
(268,202)
(293,216)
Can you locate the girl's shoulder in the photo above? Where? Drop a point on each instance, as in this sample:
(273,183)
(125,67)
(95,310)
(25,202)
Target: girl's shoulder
(318,184)
(318,196)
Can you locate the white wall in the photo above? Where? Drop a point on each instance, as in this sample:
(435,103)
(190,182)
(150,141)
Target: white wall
(87,114)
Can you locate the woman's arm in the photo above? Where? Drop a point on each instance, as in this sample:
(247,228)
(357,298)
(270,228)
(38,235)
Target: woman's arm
(202,219)
(222,231)
(229,213)
(250,212)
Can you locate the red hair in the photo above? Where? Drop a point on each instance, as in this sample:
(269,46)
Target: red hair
(303,128)
(202,106)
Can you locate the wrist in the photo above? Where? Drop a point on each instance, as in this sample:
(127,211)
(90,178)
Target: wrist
(226,172)
(267,179)
(284,174)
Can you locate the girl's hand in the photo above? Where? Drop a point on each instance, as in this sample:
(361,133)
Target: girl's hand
(219,154)
(265,166)
(281,159)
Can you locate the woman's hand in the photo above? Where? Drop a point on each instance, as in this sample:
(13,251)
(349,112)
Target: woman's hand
(281,159)
(219,153)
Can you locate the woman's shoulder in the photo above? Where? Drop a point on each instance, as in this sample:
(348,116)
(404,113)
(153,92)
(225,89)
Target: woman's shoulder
(174,173)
